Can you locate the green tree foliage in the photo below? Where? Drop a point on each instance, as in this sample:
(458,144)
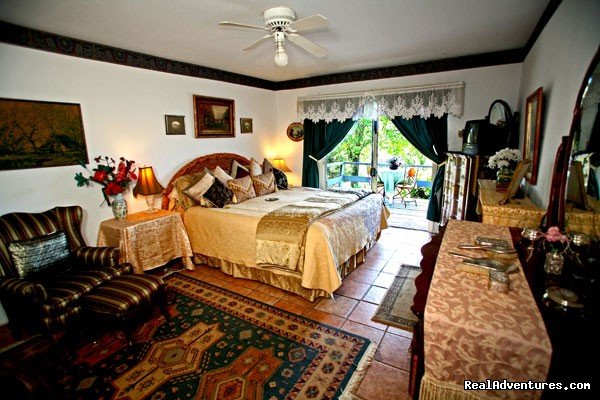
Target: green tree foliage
(356,146)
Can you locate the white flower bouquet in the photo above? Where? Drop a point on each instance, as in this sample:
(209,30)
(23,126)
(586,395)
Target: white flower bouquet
(505,158)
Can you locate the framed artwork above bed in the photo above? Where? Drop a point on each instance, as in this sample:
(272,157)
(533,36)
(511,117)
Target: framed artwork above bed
(214,117)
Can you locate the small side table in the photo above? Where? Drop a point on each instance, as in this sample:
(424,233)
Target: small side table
(148,240)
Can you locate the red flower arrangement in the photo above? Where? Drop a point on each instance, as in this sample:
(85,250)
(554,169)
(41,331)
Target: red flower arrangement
(113,178)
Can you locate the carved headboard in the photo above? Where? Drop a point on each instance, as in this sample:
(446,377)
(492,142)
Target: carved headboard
(210,161)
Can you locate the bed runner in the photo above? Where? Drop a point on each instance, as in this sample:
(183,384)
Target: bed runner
(281,234)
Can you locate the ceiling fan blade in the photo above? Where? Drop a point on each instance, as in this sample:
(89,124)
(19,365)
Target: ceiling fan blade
(313,22)
(239,25)
(307,45)
(258,42)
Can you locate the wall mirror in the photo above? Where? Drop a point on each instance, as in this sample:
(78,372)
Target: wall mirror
(533,132)
(574,199)
(501,124)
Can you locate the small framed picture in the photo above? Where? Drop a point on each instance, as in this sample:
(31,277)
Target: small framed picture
(295,131)
(175,124)
(246,125)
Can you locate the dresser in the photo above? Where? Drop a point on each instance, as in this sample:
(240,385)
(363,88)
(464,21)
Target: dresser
(464,333)
(521,213)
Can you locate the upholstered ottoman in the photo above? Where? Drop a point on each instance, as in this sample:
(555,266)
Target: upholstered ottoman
(124,299)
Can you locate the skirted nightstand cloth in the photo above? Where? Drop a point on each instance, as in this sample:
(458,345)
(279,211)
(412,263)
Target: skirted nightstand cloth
(148,240)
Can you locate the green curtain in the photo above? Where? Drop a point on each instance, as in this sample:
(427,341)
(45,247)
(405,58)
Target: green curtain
(430,137)
(320,138)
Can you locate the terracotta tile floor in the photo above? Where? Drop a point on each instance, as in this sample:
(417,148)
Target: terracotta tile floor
(354,304)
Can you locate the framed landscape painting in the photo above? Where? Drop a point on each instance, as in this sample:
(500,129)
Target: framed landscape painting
(37,134)
(213,117)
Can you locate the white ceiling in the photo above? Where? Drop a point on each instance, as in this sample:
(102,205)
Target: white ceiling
(362,34)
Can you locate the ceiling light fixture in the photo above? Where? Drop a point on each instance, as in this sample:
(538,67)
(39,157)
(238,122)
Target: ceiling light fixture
(281,58)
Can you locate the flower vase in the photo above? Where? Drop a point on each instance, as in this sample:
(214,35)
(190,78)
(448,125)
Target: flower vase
(554,263)
(119,207)
(503,178)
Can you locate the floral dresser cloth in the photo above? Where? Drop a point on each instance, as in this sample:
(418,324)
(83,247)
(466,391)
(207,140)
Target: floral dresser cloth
(471,333)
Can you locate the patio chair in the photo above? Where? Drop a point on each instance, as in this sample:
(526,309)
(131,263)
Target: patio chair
(405,186)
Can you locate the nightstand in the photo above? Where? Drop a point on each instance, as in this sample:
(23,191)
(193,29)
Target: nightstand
(148,240)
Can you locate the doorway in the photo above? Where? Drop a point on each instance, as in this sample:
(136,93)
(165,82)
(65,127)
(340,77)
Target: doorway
(364,160)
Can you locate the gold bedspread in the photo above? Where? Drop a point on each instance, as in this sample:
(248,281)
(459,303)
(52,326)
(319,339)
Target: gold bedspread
(229,234)
(280,234)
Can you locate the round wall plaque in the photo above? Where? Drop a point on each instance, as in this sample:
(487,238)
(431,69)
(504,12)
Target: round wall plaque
(295,131)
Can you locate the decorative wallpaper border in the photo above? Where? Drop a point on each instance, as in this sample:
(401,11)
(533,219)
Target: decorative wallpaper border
(35,39)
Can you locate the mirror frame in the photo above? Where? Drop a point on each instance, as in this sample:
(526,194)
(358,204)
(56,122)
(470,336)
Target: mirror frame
(558,188)
(532,135)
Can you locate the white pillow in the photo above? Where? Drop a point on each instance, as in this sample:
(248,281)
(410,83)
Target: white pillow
(197,190)
(221,175)
(255,167)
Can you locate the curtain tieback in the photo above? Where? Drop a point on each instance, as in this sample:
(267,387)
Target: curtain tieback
(439,165)
(312,158)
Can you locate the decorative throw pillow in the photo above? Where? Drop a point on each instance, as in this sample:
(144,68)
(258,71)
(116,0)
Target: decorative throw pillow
(218,194)
(280,179)
(264,183)
(41,256)
(238,170)
(255,168)
(184,182)
(267,166)
(242,188)
(221,175)
(197,190)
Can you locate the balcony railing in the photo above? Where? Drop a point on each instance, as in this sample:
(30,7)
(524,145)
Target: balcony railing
(343,174)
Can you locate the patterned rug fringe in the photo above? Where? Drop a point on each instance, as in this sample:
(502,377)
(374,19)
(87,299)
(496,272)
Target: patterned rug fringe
(351,388)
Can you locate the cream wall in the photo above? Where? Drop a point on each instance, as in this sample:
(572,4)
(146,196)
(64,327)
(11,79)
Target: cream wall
(123,115)
(558,62)
(482,87)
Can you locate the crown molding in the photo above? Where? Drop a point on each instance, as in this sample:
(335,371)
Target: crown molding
(35,39)
(40,40)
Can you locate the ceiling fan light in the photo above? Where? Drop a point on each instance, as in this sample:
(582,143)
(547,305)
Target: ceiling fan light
(281,58)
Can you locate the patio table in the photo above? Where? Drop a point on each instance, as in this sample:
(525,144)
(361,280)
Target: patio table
(391,177)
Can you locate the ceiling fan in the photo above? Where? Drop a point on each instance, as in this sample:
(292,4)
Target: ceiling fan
(281,23)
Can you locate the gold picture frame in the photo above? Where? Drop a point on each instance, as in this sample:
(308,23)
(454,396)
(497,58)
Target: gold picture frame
(533,133)
(515,182)
(214,117)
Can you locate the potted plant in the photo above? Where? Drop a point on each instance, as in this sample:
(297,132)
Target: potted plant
(505,161)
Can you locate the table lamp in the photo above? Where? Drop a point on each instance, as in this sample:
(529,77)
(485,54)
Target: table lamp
(148,186)
(280,164)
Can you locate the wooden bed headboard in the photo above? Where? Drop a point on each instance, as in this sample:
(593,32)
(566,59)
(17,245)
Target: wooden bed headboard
(210,161)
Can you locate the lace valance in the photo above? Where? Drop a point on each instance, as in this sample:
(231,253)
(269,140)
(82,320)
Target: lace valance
(405,102)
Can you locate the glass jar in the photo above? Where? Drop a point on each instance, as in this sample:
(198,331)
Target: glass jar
(554,263)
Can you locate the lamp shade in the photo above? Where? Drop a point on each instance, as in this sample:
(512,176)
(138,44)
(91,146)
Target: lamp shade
(147,183)
(280,164)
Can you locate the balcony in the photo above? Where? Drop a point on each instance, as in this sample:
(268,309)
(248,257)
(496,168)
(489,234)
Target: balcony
(410,215)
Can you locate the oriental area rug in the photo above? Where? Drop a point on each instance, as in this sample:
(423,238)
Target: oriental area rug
(221,345)
(394,309)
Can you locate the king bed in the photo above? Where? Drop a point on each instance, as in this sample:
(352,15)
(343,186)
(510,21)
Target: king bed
(267,239)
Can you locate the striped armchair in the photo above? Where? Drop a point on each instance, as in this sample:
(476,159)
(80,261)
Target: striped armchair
(51,303)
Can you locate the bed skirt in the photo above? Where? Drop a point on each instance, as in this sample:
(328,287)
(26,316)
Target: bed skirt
(285,281)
